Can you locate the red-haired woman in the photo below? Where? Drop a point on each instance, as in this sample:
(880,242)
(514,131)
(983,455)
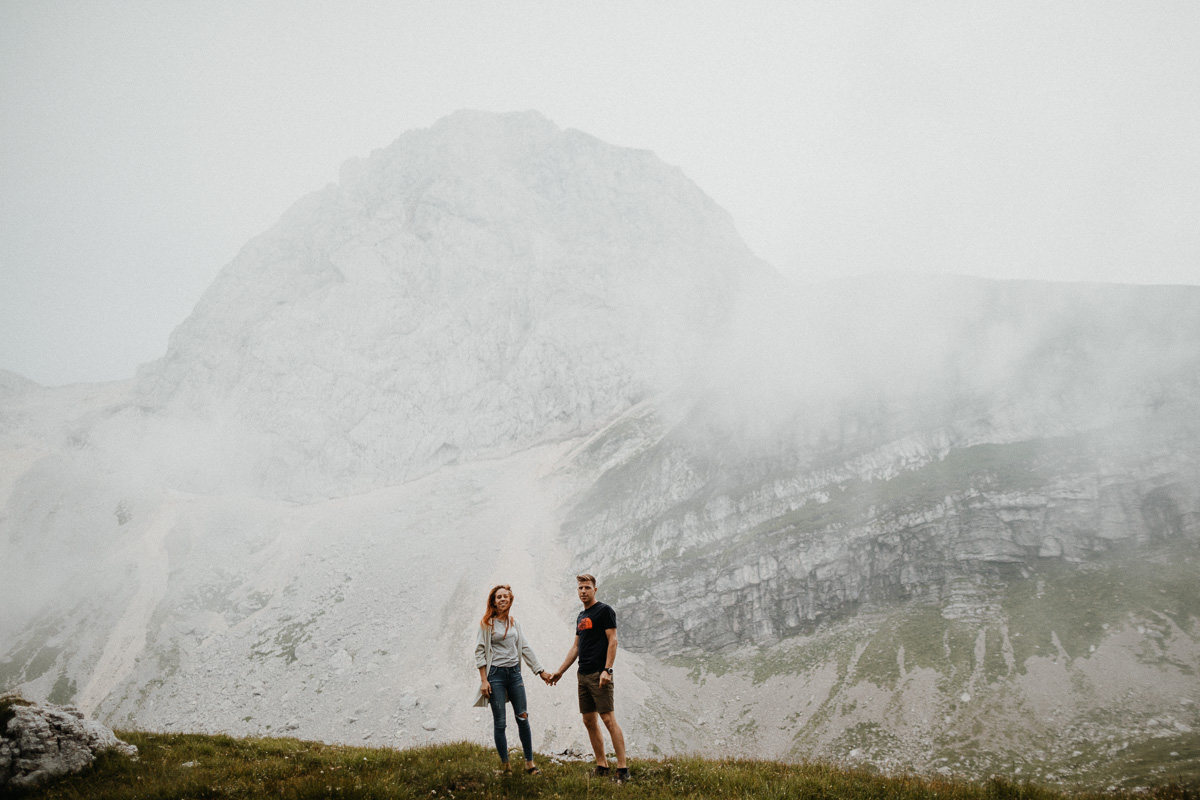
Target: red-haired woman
(499,648)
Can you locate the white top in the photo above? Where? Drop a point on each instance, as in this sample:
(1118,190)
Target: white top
(504,645)
(484,652)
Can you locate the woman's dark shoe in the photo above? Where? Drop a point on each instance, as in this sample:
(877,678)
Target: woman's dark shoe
(532,771)
(506,769)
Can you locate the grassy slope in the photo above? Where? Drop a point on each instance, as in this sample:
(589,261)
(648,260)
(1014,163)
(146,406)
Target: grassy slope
(252,768)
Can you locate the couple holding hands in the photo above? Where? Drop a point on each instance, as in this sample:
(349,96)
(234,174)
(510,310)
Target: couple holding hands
(499,648)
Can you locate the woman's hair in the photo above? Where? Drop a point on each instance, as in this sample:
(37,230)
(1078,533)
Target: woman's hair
(490,612)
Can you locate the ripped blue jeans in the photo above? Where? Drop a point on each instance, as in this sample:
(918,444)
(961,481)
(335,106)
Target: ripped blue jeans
(507,686)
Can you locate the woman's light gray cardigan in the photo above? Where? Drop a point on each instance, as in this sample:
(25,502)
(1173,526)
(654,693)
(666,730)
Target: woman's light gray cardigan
(483,655)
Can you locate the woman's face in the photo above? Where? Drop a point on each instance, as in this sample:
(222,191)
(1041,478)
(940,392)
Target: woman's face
(503,600)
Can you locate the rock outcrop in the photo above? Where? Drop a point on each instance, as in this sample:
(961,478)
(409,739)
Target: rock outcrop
(39,742)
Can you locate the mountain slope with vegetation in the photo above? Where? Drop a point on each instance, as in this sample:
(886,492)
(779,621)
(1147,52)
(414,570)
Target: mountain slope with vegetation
(501,352)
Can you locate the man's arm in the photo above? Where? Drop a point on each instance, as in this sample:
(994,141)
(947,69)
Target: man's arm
(610,657)
(572,654)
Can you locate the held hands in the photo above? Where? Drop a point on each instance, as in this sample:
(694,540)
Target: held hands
(547,677)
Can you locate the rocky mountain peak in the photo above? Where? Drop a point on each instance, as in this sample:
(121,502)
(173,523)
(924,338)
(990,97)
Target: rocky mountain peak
(483,284)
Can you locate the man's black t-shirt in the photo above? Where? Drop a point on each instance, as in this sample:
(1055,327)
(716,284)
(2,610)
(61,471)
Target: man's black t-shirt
(591,625)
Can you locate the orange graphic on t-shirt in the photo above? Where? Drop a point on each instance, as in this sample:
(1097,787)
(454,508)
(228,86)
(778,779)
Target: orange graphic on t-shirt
(585,624)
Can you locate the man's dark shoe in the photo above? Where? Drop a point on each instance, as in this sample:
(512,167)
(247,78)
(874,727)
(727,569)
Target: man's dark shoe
(622,774)
(600,772)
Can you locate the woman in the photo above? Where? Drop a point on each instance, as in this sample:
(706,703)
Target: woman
(499,648)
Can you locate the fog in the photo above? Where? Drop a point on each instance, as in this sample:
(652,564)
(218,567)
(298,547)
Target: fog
(317,369)
(819,376)
(145,144)
(869,344)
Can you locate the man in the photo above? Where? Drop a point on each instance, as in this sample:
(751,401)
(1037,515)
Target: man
(596,647)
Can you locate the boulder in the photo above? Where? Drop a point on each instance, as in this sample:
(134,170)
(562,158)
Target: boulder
(39,742)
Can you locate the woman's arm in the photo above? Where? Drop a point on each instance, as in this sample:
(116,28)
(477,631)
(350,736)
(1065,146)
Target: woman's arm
(481,661)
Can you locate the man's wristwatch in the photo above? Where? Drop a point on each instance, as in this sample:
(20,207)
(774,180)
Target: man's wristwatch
(608,670)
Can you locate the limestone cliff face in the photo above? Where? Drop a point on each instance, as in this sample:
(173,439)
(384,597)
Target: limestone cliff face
(475,288)
(1083,447)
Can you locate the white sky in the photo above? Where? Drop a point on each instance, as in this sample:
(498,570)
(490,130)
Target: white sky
(145,142)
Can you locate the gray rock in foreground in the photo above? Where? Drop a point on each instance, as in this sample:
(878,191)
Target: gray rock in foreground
(39,742)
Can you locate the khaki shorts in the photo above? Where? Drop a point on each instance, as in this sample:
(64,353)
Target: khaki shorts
(593,698)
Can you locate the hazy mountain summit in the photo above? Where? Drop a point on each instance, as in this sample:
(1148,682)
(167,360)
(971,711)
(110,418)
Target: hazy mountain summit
(476,287)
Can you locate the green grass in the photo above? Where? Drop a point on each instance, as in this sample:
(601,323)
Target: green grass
(1150,761)
(929,640)
(1080,603)
(64,690)
(797,657)
(32,659)
(252,768)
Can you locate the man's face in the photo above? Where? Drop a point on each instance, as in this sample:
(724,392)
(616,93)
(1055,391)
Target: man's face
(587,593)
